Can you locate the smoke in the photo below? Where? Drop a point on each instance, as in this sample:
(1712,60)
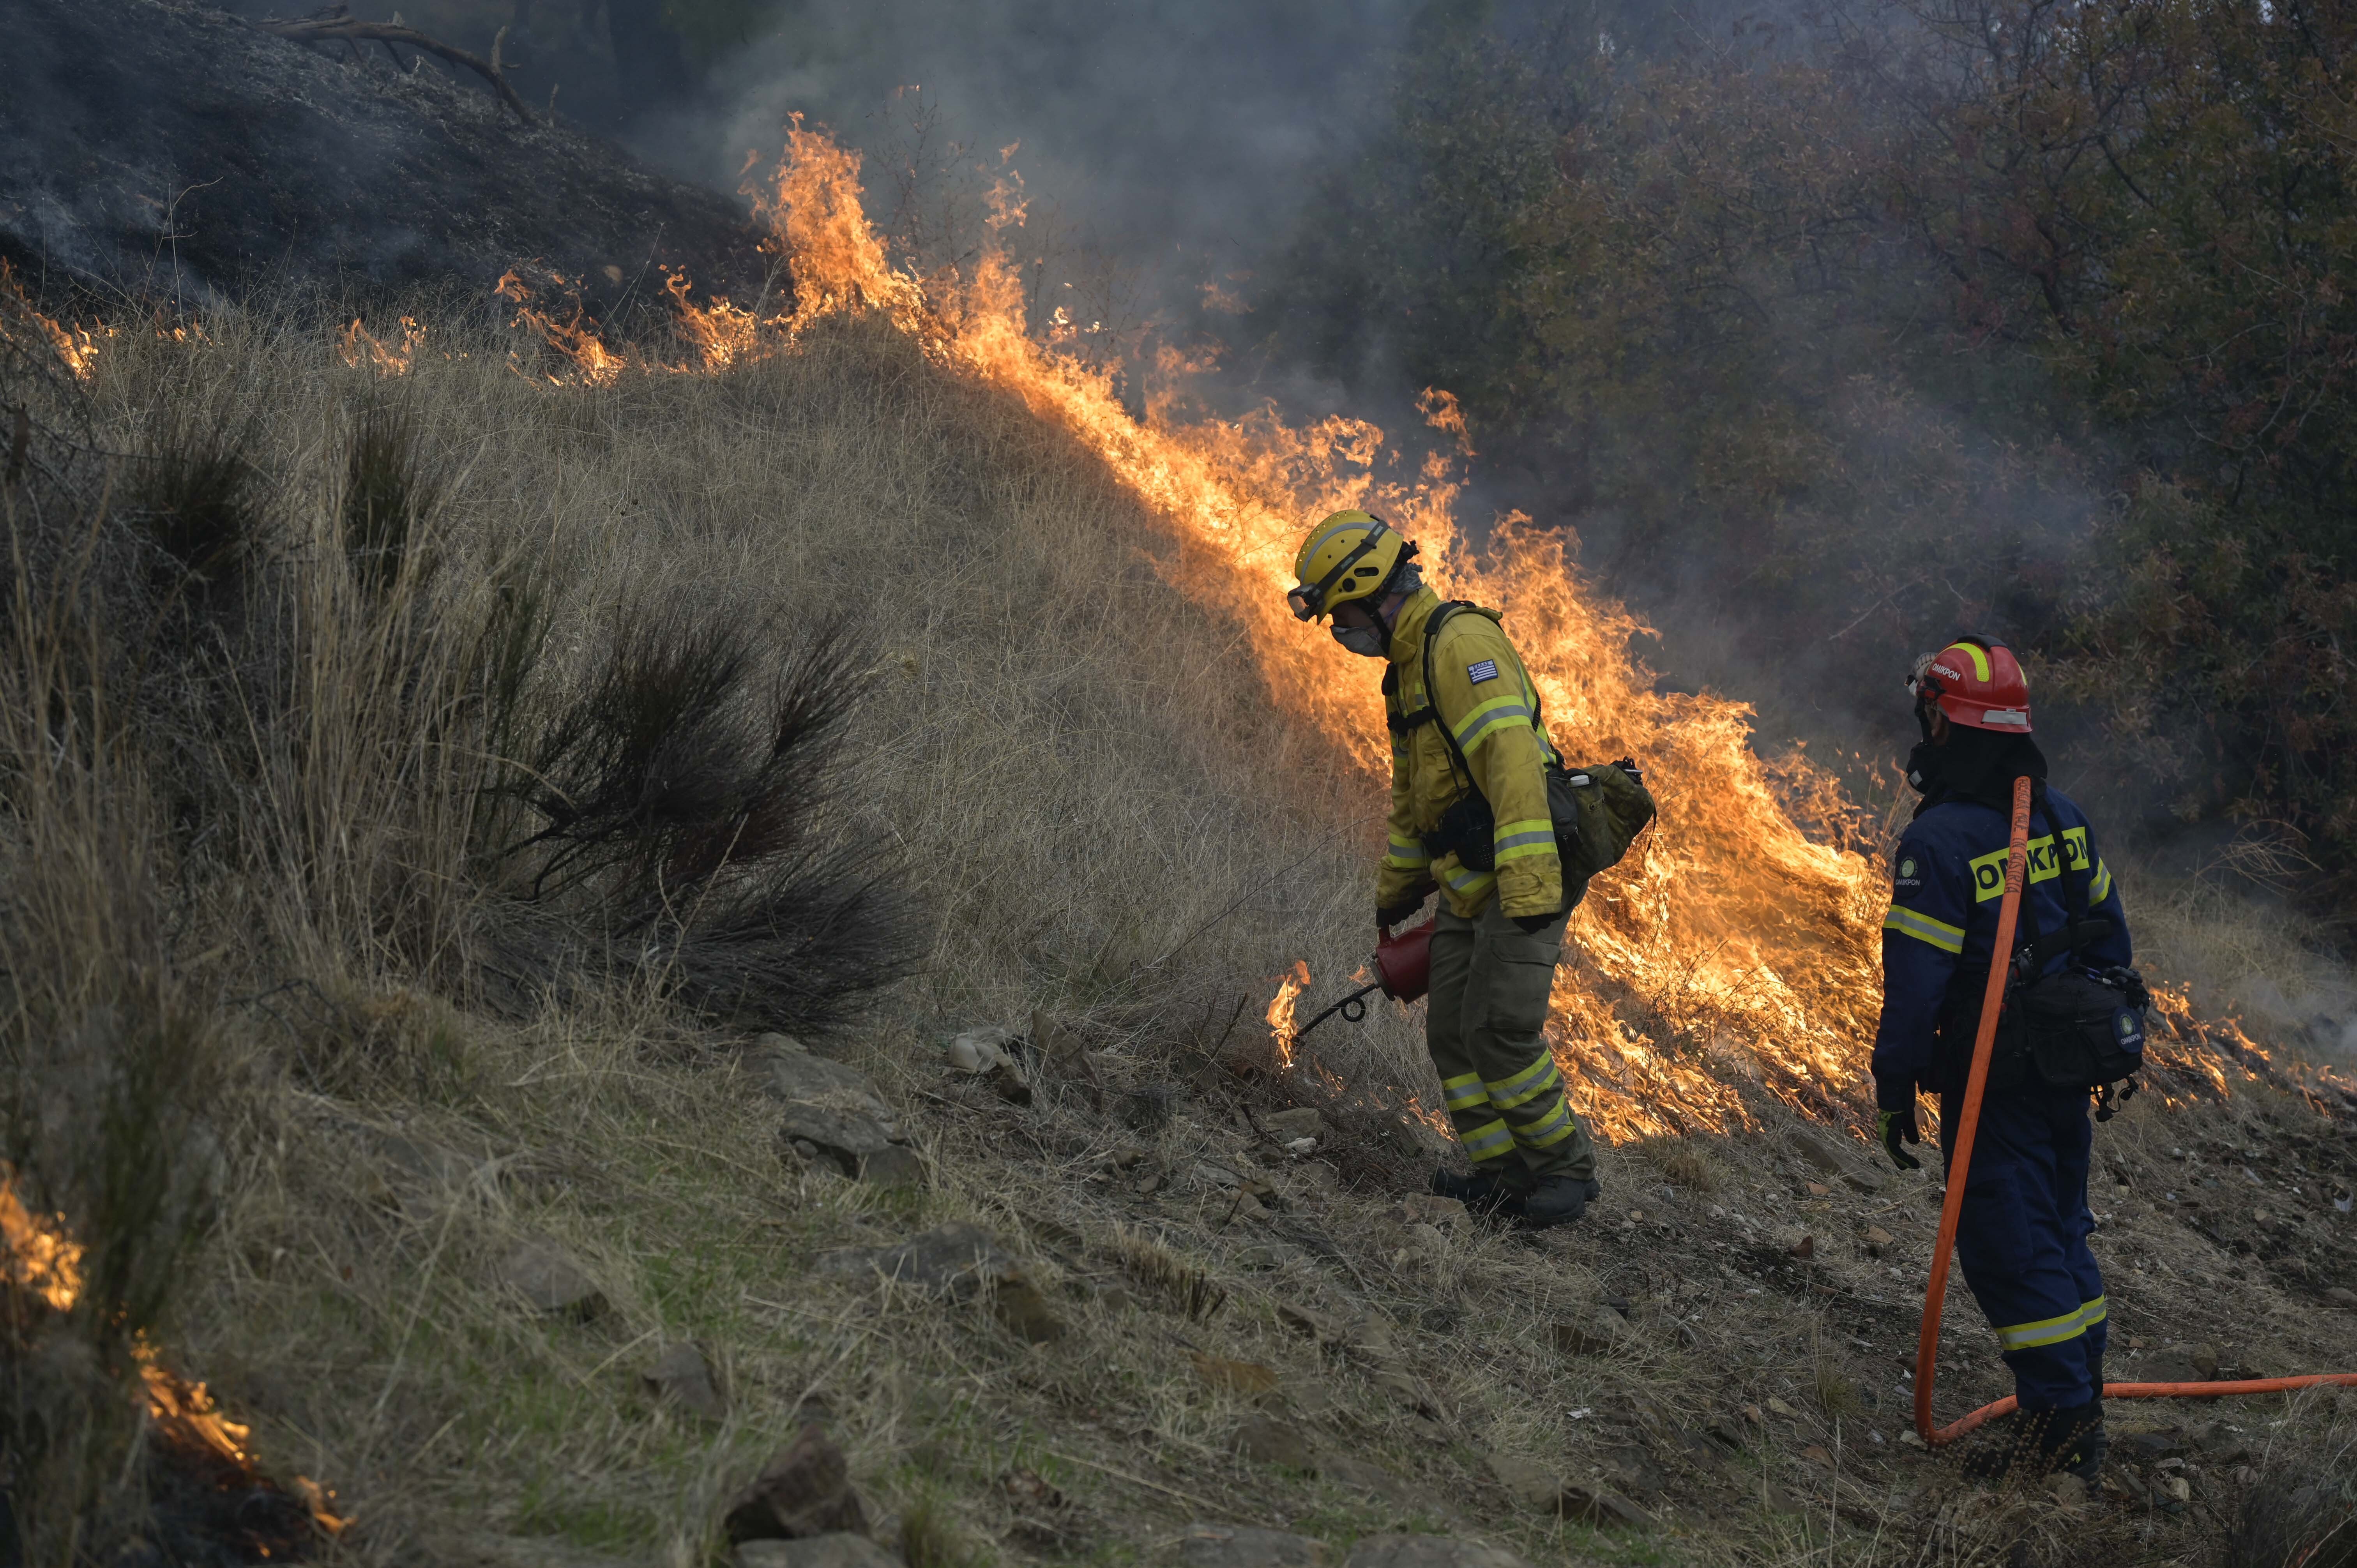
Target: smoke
(1176,136)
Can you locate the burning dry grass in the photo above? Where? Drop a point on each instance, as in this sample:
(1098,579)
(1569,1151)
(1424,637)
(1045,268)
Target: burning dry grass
(1064,735)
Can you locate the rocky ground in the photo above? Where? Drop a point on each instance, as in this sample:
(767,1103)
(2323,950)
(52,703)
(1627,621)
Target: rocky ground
(982,1301)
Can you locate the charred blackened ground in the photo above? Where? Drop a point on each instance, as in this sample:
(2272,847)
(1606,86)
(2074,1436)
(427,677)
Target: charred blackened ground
(176,152)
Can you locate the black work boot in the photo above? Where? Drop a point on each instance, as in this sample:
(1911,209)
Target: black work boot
(1558,1201)
(1482,1192)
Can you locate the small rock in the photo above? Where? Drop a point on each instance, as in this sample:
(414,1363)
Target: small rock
(1806,1246)
(957,1259)
(549,1280)
(775,1042)
(1633,1468)
(2179,1488)
(799,1078)
(682,1375)
(979,1050)
(1246,1378)
(2205,1360)
(1426,1551)
(1532,1485)
(1243,1546)
(2068,1489)
(841,1137)
(805,1491)
(1018,1304)
(1864,1181)
(838,1549)
(1817,1452)
(1264,1256)
(1778,1407)
(893,1167)
(2147,1447)
(1877,1238)
(1814,1150)
(1365,1475)
(1818,1189)
(1265,1440)
(1302,1122)
(2342,1296)
(1603,1506)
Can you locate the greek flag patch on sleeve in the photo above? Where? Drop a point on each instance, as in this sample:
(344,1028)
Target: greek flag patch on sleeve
(1485,671)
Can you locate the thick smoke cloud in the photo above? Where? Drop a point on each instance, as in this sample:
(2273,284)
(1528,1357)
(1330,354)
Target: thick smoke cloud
(1174,135)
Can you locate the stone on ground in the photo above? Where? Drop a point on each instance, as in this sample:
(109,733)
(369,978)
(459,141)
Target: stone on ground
(842,1138)
(1247,1546)
(548,1280)
(682,1375)
(956,1259)
(805,1491)
(1266,1440)
(1302,1122)
(799,1078)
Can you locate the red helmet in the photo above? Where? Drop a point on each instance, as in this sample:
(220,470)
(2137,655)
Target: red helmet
(1977,682)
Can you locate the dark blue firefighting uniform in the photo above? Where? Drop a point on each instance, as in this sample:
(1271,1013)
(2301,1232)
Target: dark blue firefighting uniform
(2021,1238)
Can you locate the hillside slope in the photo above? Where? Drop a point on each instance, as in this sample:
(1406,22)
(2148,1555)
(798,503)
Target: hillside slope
(459,1225)
(169,150)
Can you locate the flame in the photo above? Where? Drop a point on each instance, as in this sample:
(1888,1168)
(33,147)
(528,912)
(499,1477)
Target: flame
(44,1259)
(1280,1010)
(76,346)
(41,1257)
(1738,941)
(359,343)
(575,337)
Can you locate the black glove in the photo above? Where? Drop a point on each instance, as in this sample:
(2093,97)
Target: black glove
(1534,924)
(1895,1126)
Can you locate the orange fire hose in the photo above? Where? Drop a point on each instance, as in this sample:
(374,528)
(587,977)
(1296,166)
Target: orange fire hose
(1927,1343)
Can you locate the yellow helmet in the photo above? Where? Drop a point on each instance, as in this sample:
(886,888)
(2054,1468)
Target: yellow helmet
(1350,555)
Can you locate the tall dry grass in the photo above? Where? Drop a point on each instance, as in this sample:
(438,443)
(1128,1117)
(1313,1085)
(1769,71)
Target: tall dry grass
(286,646)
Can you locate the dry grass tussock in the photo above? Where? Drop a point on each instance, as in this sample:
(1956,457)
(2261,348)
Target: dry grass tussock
(420,790)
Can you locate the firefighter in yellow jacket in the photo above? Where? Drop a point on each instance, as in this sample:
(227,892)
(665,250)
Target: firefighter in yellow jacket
(1471,741)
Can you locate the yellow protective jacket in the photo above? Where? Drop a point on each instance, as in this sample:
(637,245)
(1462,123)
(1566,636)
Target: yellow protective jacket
(1485,697)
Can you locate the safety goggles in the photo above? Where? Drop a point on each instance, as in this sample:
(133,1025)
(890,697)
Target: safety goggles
(1307,601)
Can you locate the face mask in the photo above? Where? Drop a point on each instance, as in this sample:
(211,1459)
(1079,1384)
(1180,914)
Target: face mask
(1369,641)
(1922,766)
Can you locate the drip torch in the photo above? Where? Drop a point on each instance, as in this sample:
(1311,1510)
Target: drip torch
(1403,966)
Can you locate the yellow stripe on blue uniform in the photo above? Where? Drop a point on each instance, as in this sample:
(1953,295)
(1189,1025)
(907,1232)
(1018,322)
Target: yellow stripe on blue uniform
(1526,1085)
(1924,928)
(2101,888)
(2053,1331)
(1465,1091)
(1532,836)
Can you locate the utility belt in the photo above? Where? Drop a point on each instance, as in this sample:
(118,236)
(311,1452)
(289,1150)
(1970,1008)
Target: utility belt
(2079,1029)
(1597,813)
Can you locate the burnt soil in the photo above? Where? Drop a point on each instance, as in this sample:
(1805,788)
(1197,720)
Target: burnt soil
(176,153)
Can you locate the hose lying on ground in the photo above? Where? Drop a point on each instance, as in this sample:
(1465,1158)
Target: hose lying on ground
(1935,1293)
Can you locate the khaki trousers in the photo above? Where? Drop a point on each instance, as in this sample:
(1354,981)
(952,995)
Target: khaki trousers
(1485,1025)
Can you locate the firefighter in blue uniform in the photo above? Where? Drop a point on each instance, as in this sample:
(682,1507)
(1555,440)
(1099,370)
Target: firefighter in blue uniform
(2021,1237)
